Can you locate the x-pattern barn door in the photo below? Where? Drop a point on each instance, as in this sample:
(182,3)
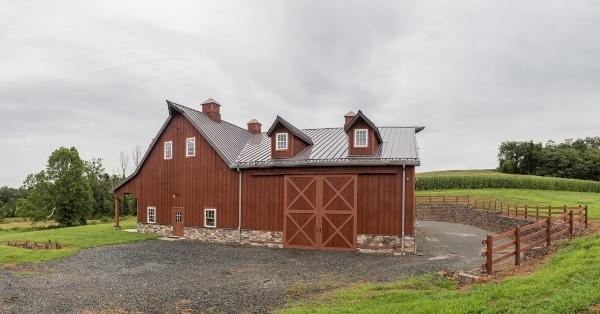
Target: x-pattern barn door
(320,211)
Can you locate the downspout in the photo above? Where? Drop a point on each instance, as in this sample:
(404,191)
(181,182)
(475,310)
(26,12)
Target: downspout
(239,205)
(403,204)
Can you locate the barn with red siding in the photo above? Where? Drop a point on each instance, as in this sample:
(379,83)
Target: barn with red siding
(349,187)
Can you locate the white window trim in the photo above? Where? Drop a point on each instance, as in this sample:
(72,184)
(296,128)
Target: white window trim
(215,211)
(187,151)
(277,141)
(148,214)
(170,144)
(366,137)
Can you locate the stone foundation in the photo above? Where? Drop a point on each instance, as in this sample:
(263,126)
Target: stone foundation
(463,214)
(384,243)
(365,242)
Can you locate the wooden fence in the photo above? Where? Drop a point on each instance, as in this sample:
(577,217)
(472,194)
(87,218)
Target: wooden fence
(551,223)
(519,240)
(524,211)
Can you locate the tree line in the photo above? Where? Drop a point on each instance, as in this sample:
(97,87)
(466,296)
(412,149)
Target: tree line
(576,159)
(69,190)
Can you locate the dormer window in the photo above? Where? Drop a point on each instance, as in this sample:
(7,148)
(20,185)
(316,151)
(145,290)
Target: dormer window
(168,150)
(361,138)
(190,147)
(281,141)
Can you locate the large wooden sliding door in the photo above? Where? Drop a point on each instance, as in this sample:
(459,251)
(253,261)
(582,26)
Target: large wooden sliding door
(320,212)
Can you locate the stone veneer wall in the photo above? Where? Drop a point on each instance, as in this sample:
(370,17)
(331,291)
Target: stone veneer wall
(466,215)
(365,242)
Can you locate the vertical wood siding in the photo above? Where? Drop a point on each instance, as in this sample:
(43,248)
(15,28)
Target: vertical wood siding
(199,182)
(205,181)
(295,145)
(372,144)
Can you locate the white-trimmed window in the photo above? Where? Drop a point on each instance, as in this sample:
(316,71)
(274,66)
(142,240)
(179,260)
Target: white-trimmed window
(190,147)
(151,215)
(210,218)
(281,141)
(361,138)
(168,150)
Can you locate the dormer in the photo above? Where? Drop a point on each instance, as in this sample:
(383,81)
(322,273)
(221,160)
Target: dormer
(286,139)
(363,136)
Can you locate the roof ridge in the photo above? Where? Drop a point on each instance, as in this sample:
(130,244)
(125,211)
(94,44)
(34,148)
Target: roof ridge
(198,111)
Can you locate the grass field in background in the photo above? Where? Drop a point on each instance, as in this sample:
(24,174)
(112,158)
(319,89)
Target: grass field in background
(568,283)
(531,197)
(485,179)
(72,239)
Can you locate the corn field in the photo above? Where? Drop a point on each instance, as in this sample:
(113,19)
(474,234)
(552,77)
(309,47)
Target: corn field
(505,182)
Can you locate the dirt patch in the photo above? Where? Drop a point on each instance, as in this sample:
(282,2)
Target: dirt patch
(32,245)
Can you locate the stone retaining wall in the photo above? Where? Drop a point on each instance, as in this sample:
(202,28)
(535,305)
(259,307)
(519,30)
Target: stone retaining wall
(365,242)
(465,215)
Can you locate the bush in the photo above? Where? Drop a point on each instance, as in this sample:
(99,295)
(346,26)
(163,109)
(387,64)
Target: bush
(505,182)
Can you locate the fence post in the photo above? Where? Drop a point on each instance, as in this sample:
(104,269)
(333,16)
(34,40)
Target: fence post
(571,229)
(443,199)
(549,231)
(564,213)
(489,254)
(517,247)
(586,216)
(537,212)
(526,213)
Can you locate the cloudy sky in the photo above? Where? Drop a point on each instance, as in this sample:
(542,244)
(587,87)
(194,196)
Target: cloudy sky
(96,75)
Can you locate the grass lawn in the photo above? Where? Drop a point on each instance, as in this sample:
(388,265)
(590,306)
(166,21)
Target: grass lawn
(568,283)
(72,239)
(533,197)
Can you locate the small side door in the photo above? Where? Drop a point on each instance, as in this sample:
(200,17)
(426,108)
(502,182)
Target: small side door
(178,221)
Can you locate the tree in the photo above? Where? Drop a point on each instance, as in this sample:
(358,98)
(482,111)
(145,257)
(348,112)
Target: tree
(124,163)
(136,155)
(61,191)
(101,184)
(8,200)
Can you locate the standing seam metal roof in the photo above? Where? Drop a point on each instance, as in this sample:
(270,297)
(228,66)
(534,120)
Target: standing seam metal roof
(327,146)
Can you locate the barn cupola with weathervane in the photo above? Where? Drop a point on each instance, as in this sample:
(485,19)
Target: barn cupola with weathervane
(286,139)
(363,136)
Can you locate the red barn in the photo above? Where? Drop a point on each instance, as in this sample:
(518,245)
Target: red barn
(342,188)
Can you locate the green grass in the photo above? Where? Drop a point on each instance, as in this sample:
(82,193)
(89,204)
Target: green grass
(569,282)
(485,179)
(72,239)
(531,197)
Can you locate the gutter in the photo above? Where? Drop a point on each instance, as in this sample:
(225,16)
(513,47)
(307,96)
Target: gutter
(403,204)
(239,206)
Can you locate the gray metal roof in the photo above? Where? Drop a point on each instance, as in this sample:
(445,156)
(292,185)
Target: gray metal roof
(361,115)
(330,147)
(226,138)
(327,146)
(297,132)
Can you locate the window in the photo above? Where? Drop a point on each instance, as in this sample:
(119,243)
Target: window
(190,144)
(360,138)
(210,217)
(151,215)
(178,217)
(281,141)
(169,150)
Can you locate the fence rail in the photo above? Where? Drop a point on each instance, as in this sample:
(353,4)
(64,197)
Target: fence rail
(524,211)
(549,223)
(517,241)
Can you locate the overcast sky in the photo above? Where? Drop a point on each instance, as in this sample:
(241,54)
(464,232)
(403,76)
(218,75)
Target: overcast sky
(475,73)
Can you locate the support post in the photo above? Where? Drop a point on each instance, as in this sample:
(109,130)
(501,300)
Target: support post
(117,213)
(586,216)
(571,228)
(517,247)
(489,254)
(526,212)
(549,231)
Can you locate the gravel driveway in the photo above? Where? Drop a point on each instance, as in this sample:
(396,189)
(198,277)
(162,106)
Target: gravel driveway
(192,276)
